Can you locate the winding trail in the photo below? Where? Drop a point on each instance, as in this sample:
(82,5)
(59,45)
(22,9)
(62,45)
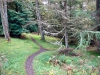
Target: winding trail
(30,59)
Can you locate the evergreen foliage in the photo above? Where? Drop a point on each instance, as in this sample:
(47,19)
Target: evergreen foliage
(18,16)
(32,28)
(1,28)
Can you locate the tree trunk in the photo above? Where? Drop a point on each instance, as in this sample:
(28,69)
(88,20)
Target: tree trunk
(66,38)
(97,42)
(3,10)
(39,19)
(42,35)
(66,33)
(97,4)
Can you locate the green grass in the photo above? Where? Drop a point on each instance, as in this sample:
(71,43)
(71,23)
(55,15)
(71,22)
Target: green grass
(17,52)
(85,63)
(41,64)
(43,67)
(45,44)
(81,65)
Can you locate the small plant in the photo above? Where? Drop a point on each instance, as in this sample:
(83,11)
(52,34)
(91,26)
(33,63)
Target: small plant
(54,61)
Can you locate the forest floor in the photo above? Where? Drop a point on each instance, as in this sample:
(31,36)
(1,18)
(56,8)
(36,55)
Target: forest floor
(53,63)
(17,51)
(29,67)
(49,62)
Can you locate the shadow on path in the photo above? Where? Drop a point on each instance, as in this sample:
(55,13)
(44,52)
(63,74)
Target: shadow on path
(30,59)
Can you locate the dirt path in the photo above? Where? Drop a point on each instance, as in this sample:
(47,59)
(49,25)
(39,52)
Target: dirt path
(30,59)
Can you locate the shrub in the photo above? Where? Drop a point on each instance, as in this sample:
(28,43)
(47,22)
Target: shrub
(32,28)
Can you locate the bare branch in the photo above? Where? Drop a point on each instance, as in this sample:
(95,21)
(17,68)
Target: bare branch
(53,34)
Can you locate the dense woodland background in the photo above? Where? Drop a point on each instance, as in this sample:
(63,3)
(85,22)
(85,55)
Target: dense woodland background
(54,18)
(69,30)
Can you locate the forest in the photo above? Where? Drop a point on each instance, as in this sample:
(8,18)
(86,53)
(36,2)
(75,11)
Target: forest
(49,37)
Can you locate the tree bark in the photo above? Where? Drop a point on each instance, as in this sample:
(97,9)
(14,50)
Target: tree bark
(39,21)
(4,18)
(66,38)
(98,22)
(66,33)
(5,10)
(97,4)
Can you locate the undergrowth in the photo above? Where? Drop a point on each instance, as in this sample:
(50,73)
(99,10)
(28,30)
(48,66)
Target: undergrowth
(51,63)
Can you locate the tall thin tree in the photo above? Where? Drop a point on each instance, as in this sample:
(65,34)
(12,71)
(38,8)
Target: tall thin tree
(66,32)
(4,18)
(39,20)
(97,4)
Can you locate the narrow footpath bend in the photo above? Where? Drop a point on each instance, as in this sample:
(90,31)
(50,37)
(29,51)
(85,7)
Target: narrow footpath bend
(30,59)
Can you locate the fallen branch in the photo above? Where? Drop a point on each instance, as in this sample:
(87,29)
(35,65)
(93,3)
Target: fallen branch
(53,34)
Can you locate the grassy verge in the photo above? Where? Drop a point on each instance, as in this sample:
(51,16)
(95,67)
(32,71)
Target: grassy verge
(41,64)
(43,67)
(87,63)
(17,52)
(45,44)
